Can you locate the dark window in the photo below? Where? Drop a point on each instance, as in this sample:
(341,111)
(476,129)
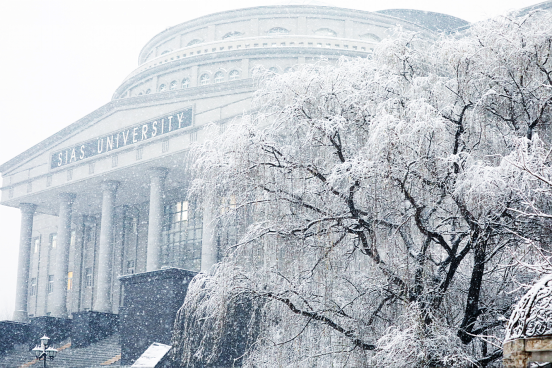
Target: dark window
(36,242)
(182,233)
(174,85)
(234,75)
(89,281)
(130,266)
(50,284)
(185,83)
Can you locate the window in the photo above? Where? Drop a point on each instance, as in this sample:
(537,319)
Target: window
(233,34)
(53,240)
(182,233)
(36,242)
(148,91)
(50,284)
(162,88)
(89,281)
(174,85)
(185,83)
(370,37)
(234,75)
(33,286)
(204,79)
(70,280)
(194,42)
(165,52)
(325,32)
(73,238)
(219,77)
(130,267)
(278,30)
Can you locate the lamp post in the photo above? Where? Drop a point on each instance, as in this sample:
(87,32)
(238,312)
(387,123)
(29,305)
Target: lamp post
(44,351)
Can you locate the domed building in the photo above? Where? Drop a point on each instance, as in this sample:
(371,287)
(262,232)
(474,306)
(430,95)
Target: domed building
(105,198)
(529,332)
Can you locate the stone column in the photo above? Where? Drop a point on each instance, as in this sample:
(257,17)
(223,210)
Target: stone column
(59,300)
(102,302)
(27,213)
(155,226)
(208,241)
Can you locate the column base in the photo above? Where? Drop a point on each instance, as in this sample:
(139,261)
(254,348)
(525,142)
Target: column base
(21,316)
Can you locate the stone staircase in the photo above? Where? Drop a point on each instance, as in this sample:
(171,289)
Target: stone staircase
(104,353)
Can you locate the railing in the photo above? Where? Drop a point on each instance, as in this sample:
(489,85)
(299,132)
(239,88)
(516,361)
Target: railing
(256,42)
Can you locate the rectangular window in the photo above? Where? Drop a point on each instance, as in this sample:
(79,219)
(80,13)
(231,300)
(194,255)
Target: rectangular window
(70,280)
(130,267)
(33,286)
(50,284)
(53,240)
(73,238)
(36,242)
(88,277)
(182,236)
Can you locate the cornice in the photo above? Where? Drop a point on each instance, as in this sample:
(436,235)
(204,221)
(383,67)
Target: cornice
(271,11)
(243,85)
(230,55)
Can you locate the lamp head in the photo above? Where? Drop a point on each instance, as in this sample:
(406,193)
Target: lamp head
(51,352)
(45,340)
(37,351)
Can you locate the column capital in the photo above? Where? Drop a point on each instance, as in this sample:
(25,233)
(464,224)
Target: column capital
(158,172)
(110,185)
(28,208)
(67,197)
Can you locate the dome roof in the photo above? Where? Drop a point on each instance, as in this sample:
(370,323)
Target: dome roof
(436,22)
(533,314)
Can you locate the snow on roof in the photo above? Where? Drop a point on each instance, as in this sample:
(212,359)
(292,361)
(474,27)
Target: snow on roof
(532,316)
(152,356)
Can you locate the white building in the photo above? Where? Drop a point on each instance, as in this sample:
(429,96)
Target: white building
(106,196)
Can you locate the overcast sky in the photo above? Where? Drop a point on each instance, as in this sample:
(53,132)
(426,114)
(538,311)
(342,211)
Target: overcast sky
(60,60)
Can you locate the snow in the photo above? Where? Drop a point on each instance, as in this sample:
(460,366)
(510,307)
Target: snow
(532,316)
(152,356)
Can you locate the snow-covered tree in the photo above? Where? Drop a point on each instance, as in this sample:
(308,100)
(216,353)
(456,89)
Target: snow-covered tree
(375,203)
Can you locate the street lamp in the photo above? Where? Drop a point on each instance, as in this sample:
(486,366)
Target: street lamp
(44,350)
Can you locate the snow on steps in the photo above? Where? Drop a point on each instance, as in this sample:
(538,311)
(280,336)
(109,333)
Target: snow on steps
(104,353)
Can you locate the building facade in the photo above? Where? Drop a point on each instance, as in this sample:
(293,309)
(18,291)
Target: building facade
(106,196)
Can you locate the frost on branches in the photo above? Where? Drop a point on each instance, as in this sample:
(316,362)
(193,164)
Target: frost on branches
(381,212)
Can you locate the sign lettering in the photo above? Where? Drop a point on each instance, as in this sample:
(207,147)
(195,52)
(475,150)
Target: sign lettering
(123,138)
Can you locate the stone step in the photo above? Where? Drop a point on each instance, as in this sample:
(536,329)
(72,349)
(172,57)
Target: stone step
(104,353)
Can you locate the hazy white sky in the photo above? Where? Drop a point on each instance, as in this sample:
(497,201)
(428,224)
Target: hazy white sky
(60,60)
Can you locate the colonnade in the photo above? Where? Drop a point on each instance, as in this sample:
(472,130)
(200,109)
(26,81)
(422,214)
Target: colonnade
(102,300)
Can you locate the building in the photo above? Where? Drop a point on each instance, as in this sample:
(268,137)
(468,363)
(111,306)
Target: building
(106,196)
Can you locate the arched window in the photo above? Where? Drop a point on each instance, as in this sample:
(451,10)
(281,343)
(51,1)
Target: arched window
(161,88)
(140,94)
(289,69)
(233,34)
(173,85)
(370,37)
(165,52)
(234,75)
(194,42)
(185,83)
(278,30)
(219,77)
(204,79)
(325,32)
(148,91)
(273,70)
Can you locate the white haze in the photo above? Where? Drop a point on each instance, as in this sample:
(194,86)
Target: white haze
(63,59)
